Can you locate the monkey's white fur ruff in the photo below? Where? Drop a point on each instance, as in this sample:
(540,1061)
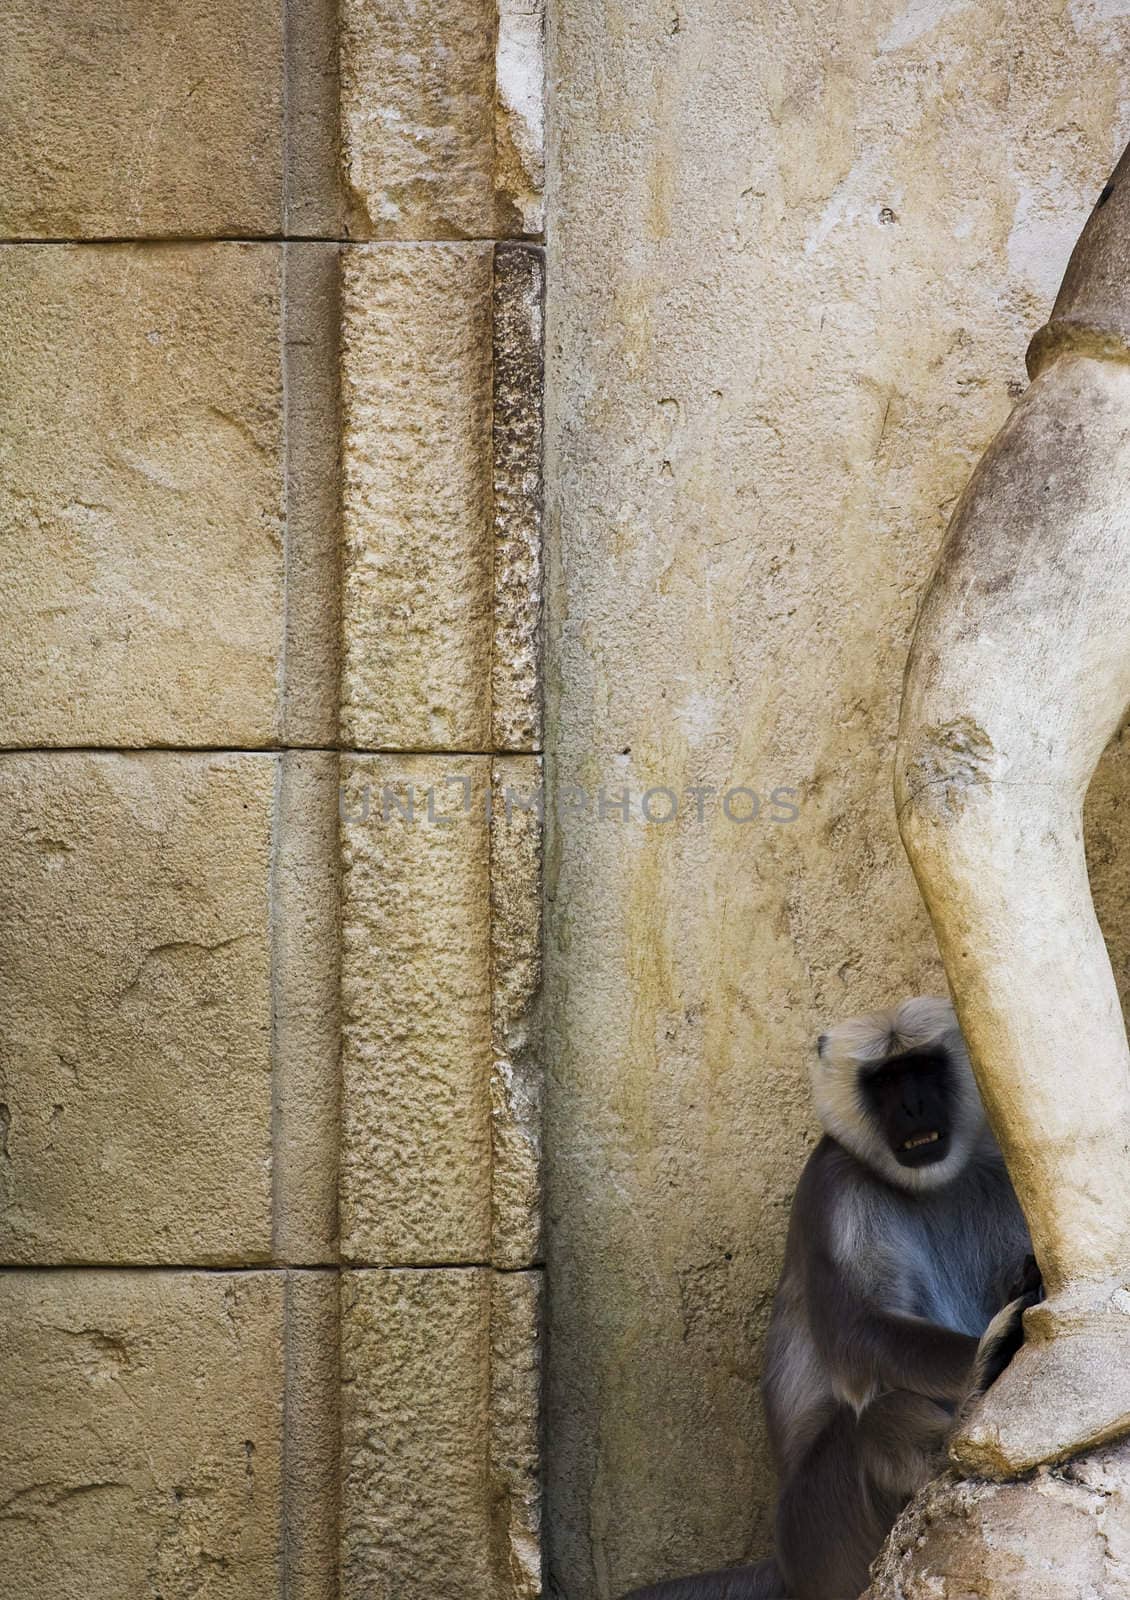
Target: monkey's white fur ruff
(912,1025)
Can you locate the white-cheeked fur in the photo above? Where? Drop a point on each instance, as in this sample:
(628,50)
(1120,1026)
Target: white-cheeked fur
(914,1025)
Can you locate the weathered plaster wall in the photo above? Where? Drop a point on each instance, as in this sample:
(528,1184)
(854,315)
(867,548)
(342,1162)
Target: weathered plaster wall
(795,256)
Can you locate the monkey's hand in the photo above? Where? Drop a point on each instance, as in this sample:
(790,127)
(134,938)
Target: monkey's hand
(1004,1336)
(1030,1281)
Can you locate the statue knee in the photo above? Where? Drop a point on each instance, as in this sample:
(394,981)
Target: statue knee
(963,807)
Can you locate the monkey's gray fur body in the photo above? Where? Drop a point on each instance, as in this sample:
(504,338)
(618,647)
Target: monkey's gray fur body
(881,1322)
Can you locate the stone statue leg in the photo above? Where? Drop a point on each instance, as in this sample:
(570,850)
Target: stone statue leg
(1018,676)
(1020,673)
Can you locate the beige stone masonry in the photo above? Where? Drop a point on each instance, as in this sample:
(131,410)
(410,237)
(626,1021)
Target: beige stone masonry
(439,1435)
(415,1176)
(311,1438)
(311,645)
(313,203)
(175,572)
(135,992)
(442,119)
(146,117)
(142,1448)
(143,495)
(305,1008)
(162,1428)
(416,604)
(168,987)
(266,117)
(270,496)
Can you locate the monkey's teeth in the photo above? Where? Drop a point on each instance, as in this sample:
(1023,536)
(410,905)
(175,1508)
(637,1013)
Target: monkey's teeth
(920,1139)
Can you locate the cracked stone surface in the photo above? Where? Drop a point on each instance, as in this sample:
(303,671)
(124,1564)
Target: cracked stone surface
(1062,1534)
(145,1454)
(135,998)
(153,116)
(141,437)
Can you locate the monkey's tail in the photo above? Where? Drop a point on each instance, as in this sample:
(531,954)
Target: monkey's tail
(760,1582)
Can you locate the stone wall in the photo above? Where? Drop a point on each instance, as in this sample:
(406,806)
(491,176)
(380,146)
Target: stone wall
(271,1311)
(270,454)
(795,256)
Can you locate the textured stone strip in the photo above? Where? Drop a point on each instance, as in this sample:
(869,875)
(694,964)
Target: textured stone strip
(519,285)
(310,677)
(516,1081)
(416,493)
(312,142)
(143,1428)
(312,1437)
(417,99)
(416,1061)
(519,119)
(305,984)
(439,1435)
(415,1367)
(442,119)
(516,1344)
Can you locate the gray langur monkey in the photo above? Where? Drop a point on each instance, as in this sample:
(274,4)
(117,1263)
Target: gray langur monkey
(907,1270)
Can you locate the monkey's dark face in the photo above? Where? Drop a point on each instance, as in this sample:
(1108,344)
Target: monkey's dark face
(911,1098)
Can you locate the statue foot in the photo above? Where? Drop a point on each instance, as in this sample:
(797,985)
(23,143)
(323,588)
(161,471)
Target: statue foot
(1066,1390)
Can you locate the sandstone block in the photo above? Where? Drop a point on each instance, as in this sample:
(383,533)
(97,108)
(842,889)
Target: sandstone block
(441,502)
(306,1010)
(147,486)
(415,994)
(147,117)
(313,201)
(135,1007)
(439,1435)
(442,119)
(311,669)
(416,501)
(142,1447)
(312,1442)
(142,494)
(441,963)
(516,1344)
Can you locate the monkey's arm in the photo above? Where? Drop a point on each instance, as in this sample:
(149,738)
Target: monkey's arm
(867,1347)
